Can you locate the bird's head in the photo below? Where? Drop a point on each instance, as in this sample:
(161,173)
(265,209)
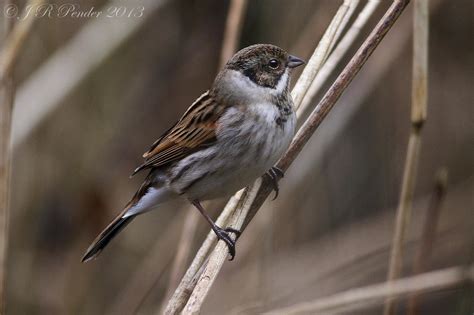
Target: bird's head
(264,64)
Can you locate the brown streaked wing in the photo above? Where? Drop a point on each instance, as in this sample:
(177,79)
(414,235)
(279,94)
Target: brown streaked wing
(196,103)
(195,130)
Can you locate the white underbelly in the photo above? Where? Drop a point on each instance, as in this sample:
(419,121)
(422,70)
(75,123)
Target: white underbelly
(242,153)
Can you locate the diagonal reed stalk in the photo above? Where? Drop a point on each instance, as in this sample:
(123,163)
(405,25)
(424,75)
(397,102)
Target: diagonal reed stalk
(334,92)
(16,36)
(320,55)
(254,196)
(182,293)
(339,52)
(419,103)
(360,298)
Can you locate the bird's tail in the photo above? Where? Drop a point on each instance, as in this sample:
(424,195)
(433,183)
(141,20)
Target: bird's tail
(106,236)
(145,199)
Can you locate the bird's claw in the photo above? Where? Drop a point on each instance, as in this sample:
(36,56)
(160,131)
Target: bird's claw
(277,171)
(235,231)
(223,234)
(275,174)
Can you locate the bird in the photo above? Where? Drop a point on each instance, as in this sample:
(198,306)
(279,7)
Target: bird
(232,134)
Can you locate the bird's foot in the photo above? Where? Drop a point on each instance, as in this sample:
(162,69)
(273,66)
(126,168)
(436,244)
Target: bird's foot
(224,234)
(275,174)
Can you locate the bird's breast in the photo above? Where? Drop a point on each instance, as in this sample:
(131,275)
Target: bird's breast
(262,130)
(249,141)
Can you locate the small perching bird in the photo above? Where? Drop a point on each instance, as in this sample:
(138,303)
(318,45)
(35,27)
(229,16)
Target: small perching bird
(231,135)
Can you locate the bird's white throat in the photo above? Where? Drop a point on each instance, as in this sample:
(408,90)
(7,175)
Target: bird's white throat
(244,88)
(283,82)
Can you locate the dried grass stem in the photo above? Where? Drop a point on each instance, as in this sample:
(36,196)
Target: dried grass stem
(418,117)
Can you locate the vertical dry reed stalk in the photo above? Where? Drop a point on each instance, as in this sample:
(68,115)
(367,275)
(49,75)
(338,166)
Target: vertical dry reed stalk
(418,117)
(254,201)
(6,104)
(428,233)
(14,40)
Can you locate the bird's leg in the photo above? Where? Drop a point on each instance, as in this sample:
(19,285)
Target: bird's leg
(275,174)
(222,234)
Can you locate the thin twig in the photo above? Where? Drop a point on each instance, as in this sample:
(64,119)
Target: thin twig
(418,117)
(428,234)
(373,294)
(15,38)
(322,109)
(233,29)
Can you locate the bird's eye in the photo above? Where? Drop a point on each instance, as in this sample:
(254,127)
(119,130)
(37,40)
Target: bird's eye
(273,63)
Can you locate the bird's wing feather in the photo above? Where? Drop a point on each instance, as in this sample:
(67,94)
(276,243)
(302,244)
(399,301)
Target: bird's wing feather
(195,130)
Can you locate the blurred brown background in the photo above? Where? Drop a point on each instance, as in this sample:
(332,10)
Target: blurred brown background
(332,225)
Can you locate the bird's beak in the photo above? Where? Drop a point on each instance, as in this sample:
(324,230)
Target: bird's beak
(294,62)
